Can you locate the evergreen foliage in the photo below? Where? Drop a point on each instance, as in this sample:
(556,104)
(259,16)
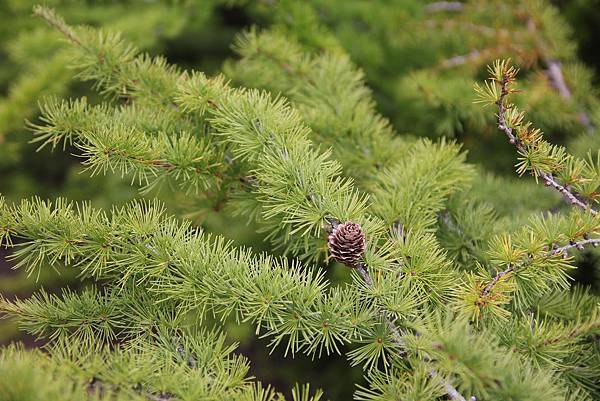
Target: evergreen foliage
(446,295)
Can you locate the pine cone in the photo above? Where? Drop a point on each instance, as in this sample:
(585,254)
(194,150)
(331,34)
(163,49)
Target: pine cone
(347,243)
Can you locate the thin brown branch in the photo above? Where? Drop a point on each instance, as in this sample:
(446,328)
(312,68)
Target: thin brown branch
(512,138)
(563,250)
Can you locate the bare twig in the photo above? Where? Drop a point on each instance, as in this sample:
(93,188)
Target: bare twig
(555,252)
(547,177)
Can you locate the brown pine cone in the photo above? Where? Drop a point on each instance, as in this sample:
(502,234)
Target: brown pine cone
(347,243)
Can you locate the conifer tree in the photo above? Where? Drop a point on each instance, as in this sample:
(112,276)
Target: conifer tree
(440,298)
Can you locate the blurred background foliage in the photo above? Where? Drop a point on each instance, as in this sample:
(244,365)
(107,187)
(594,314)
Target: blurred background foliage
(420,59)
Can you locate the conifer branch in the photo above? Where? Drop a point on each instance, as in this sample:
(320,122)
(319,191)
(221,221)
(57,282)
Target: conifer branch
(505,80)
(553,70)
(396,336)
(573,334)
(174,263)
(409,182)
(360,138)
(451,391)
(295,187)
(282,142)
(114,66)
(109,141)
(55,21)
(560,251)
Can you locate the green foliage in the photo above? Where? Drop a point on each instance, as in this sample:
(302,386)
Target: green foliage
(458,292)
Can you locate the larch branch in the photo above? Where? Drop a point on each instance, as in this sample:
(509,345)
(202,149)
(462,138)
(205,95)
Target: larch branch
(451,391)
(512,138)
(555,252)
